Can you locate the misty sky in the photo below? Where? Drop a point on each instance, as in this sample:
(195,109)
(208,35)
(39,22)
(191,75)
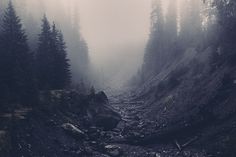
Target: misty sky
(116,32)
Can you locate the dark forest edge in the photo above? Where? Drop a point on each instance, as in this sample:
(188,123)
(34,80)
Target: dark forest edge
(24,73)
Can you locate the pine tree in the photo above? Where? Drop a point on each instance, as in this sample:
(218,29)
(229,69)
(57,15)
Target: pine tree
(54,53)
(64,66)
(52,63)
(61,63)
(171,49)
(190,23)
(16,74)
(45,57)
(153,58)
(171,22)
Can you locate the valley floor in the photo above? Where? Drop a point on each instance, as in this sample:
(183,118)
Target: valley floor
(40,134)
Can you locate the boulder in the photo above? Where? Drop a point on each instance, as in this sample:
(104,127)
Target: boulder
(101,112)
(104,116)
(95,108)
(101,97)
(108,121)
(113,150)
(73,131)
(154,154)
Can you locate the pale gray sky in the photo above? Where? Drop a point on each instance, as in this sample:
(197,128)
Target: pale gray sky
(116,32)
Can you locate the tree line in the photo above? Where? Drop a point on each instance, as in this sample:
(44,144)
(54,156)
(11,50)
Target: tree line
(22,72)
(171,33)
(196,24)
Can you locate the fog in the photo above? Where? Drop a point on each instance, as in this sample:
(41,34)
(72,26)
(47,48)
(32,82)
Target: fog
(115,31)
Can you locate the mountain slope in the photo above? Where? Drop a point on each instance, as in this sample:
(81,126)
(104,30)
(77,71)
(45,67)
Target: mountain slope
(191,98)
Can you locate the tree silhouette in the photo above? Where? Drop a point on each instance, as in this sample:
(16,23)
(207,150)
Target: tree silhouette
(17,81)
(62,65)
(44,57)
(154,48)
(52,63)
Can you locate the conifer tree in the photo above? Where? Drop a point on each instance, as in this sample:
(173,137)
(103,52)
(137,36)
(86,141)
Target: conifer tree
(154,51)
(16,73)
(64,66)
(52,63)
(171,49)
(61,65)
(44,57)
(190,23)
(171,22)
(55,75)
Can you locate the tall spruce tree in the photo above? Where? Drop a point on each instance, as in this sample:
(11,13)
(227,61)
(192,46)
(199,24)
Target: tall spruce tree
(55,76)
(190,23)
(52,63)
(171,22)
(16,73)
(44,57)
(63,63)
(171,29)
(153,58)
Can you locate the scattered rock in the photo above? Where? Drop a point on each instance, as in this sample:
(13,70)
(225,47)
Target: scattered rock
(158,155)
(113,150)
(154,154)
(74,131)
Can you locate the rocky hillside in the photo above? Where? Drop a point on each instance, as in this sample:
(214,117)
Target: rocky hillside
(191,102)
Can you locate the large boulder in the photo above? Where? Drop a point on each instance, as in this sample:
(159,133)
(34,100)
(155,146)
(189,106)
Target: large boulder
(101,112)
(94,107)
(101,97)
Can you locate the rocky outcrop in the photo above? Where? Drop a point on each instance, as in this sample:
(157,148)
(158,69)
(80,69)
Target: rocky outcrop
(101,112)
(113,150)
(73,131)
(95,108)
